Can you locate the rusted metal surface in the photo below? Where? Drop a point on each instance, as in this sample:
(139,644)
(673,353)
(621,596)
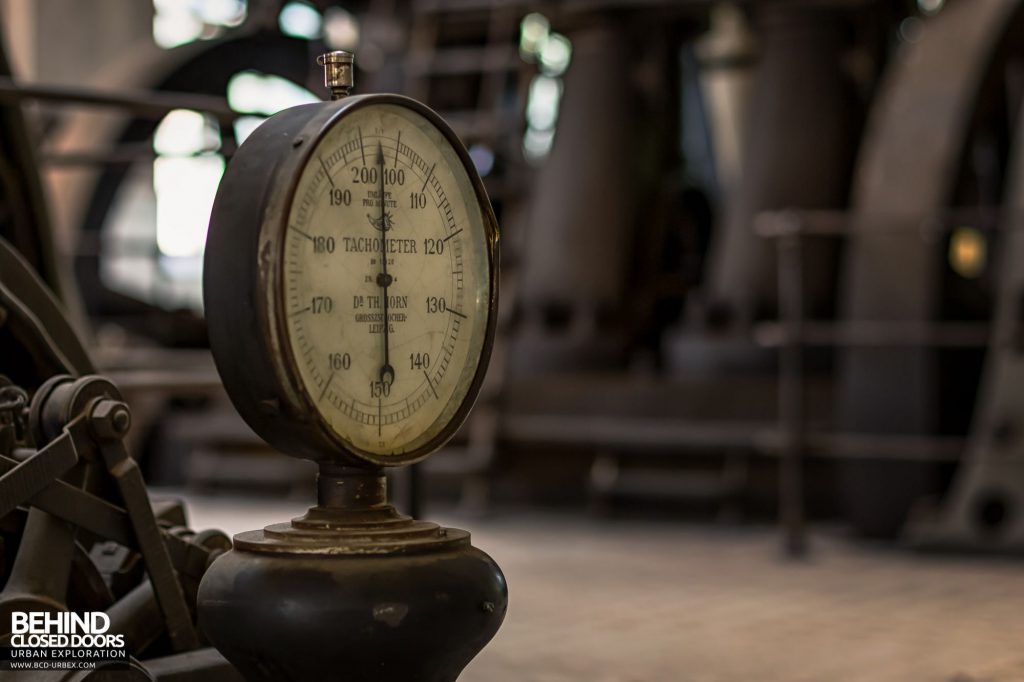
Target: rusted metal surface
(352,517)
(372,593)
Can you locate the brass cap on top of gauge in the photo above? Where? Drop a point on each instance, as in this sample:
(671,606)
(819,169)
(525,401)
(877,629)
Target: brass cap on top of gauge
(337,72)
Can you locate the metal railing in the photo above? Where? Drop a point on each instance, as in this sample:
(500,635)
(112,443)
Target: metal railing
(793,332)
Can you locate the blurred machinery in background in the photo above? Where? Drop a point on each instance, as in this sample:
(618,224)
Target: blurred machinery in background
(77,528)
(746,242)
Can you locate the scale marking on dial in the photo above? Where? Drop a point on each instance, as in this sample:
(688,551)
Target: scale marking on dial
(388,284)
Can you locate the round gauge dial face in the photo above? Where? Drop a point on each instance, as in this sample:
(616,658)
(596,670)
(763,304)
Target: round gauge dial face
(385,280)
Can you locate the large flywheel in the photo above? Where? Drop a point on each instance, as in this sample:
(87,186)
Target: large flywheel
(936,146)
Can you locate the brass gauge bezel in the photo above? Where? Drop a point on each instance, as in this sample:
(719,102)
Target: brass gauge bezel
(244,293)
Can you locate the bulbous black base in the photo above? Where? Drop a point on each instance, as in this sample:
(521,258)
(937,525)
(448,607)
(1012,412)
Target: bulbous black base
(307,615)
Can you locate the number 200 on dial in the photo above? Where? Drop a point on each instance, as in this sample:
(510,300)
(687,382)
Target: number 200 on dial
(385,280)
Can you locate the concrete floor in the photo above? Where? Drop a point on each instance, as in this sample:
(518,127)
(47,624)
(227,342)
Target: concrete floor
(631,601)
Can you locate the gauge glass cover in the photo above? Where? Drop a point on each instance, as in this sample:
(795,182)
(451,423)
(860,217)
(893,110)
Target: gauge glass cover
(385,228)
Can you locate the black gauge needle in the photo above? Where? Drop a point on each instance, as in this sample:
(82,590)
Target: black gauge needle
(387,372)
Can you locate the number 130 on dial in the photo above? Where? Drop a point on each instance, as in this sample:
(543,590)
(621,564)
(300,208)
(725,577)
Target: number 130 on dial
(375,281)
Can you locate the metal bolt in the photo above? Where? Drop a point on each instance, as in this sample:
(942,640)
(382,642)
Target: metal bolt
(111,419)
(121,420)
(488,607)
(337,72)
(271,406)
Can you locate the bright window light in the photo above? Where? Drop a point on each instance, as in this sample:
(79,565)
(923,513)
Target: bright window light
(178,22)
(255,93)
(220,12)
(183,132)
(533,31)
(537,144)
(300,20)
(555,54)
(185,188)
(245,125)
(542,105)
(171,29)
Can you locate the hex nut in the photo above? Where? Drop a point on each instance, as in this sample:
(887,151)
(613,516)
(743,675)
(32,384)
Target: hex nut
(111,419)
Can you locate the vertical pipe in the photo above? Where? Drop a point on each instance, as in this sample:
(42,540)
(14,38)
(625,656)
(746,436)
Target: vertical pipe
(575,262)
(415,498)
(791,393)
(798,153)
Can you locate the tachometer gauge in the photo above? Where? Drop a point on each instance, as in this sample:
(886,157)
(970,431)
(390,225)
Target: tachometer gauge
(351,280)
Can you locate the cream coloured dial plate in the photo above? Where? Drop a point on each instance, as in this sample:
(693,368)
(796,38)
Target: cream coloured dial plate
(386,280)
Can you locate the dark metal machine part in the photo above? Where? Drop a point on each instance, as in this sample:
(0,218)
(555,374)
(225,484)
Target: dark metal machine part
(569,216)
(58,503)
(78,426)
(58,496)
(34,314)
(803,163)
(355,589)
(911,155)
(24,220)
(983,509)
(352,589)
(69,494)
